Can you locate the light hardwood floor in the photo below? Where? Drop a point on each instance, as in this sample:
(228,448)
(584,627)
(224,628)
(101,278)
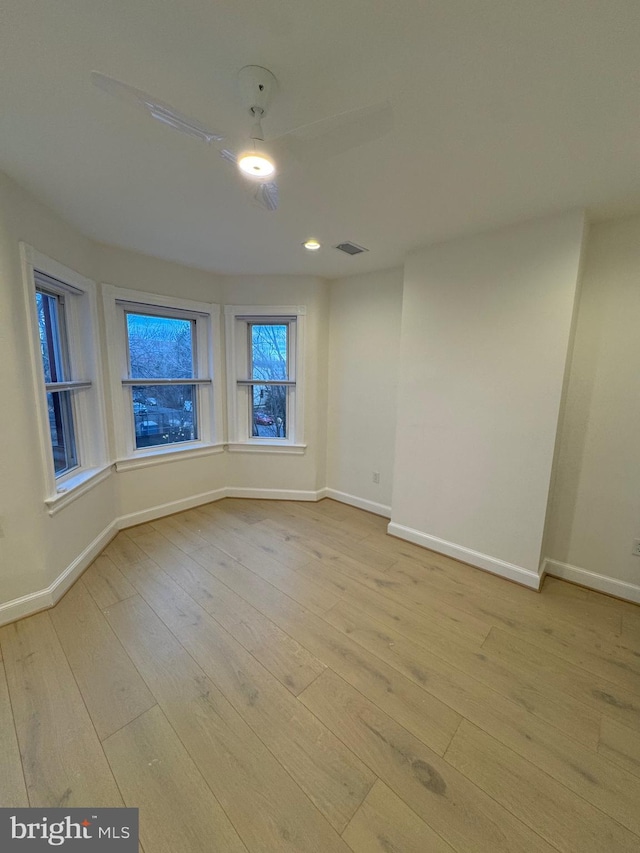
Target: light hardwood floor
(275,676)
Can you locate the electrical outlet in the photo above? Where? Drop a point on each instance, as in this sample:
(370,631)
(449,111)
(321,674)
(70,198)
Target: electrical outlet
(376,476)
(636,548)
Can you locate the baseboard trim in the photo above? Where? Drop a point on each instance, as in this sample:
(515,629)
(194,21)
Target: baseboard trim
(360,503)
(600,583)
(159,511)
(272,494)
(520,575)
(27,605)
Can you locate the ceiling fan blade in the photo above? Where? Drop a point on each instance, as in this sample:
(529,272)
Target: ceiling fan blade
(263,193)
(267,195)
(229,156)
(335,135)
(157,109)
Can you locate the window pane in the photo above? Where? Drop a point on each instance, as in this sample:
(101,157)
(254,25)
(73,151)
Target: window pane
(269,345)
(269,411)
(164,414)
(51,329)
(160,347)
(63,439)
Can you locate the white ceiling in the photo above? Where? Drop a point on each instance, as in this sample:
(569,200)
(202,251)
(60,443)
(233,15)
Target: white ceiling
(504,110)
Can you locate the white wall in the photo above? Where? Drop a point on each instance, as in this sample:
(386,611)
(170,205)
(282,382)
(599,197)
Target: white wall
(364,344)
(35,547)
(485,331)
(594,512)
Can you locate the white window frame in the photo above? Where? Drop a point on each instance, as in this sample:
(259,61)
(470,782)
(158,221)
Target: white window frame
(118,301)
(237,321)
(87,397)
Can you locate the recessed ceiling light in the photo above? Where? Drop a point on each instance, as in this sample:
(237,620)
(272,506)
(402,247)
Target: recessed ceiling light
(312,245)
(256,165)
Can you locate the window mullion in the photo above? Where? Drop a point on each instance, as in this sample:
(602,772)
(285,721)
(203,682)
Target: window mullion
(190,381)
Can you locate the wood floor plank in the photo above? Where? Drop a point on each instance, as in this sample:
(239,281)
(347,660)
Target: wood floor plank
(111,687)
(616,701)
(565,821)
(507,606)
(384,824)
(123,549)
(269,810)
(399,548)
(63,761)
(305,522)
(314,596)
(247,584)
(283,656)
(456,809)
(424,715)
(555,586)
(219,523)
(304,590)
(13,792)
(625,607)
(620,744)
(250,511)
(583,771)
(351,515)
(453,675)
(106,583)
(630,631)
(334,779)
(431,622)
(215,519)
(179,533)
(415,588)
(278,547)
(503,601)
(155,773)
(198,519)
(324,546)
(251,607)
(606,658)
(155,546)
(138,530)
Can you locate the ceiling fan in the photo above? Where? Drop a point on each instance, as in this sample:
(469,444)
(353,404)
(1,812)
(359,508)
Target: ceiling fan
(256,160)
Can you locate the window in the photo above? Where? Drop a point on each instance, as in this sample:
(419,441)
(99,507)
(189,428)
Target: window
(265,397)
(162,354)
(54,347)
(268,353)
(69,405)
(162,360)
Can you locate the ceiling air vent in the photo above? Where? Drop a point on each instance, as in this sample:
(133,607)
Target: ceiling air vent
(350,248)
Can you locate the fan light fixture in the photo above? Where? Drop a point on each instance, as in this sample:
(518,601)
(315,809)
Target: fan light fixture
(311,245)
(256,165)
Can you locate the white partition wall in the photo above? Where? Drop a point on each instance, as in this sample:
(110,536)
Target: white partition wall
(364,337)
(486,327)
(594,515)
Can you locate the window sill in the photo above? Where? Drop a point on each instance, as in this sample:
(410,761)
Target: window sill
(75,487)
(166,454)
(255,447)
